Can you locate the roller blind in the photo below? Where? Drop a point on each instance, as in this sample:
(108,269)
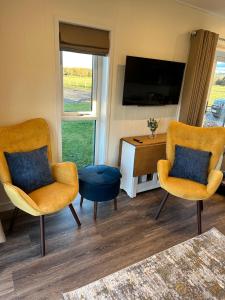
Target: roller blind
(82,39)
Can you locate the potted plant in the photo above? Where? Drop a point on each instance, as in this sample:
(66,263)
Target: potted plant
(152,124)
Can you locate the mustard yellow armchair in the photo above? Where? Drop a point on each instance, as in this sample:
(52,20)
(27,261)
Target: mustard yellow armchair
(27,136)
(206,139)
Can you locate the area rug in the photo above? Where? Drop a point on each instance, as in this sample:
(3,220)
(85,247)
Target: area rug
(194,269)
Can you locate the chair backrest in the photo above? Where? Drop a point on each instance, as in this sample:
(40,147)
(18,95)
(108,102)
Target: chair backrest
(207,139)
(26,136)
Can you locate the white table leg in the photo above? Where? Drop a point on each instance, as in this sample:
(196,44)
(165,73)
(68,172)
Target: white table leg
(2,235)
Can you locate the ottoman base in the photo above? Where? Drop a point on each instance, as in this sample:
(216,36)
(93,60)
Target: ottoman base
(96,206)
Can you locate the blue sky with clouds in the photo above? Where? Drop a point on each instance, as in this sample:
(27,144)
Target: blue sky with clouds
(220,67)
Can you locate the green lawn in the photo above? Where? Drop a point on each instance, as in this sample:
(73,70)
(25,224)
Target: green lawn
(217,91)
(78,142)
(74,107)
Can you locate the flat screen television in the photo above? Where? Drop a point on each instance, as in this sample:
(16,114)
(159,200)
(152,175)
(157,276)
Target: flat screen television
(150,82)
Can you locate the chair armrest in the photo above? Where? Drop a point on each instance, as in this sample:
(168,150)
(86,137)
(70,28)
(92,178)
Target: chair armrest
(21,200)
(65,172)
(163,168)
(214,179)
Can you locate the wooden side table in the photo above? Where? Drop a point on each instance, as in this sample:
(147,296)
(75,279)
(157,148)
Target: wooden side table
(138,162)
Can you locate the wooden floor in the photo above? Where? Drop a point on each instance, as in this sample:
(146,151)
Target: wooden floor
(76,257)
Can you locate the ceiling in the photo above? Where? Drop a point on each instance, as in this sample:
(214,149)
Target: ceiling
(211,6)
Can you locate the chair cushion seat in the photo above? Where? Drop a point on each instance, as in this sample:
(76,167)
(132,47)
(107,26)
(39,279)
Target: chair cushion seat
(186,189)
(99,183)
(53,197)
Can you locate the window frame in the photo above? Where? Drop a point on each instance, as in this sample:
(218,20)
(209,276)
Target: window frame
(97,63)
(89,114)
(106,88)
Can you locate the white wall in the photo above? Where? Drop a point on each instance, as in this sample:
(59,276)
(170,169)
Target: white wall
(28,57)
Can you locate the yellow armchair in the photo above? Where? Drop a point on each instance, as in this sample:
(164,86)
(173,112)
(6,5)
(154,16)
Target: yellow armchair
(206,139)
(46,200)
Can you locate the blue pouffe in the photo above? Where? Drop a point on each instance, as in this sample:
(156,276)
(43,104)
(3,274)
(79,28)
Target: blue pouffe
(99,183)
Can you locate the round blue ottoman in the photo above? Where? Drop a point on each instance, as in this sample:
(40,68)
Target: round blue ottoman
(99,183)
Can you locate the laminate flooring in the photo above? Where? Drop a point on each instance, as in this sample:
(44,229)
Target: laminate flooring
(75,257)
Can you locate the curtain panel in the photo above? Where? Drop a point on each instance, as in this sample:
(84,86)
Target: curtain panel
(197,76)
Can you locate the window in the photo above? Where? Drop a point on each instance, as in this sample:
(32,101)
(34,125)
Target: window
(84,66)
(79,114)
(215,108)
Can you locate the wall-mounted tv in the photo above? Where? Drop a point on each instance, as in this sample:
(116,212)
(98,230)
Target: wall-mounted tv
(150,82)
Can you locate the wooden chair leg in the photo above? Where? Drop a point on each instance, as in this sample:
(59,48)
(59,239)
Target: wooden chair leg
(12,221)
(42,233)
(95,209)
(199,219)
(201,204)
(81,201)
(115,204)
(74,214)
(163,202)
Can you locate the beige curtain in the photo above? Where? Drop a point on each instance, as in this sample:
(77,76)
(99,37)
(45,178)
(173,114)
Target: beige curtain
(197,76)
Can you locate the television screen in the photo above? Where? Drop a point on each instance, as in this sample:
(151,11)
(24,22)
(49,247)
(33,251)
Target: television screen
(152,81)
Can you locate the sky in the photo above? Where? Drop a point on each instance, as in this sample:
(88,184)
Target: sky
(220,67)
(78,60)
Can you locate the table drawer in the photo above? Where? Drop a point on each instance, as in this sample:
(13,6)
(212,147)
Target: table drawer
(146,159)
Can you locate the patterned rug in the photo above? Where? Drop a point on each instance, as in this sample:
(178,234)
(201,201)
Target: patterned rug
(194,269)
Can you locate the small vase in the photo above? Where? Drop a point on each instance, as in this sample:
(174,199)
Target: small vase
(153,134)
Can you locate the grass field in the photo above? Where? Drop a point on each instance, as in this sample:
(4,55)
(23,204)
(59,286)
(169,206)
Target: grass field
(217,91)
(82,86)
(78,142)
(74,107)
(77,82)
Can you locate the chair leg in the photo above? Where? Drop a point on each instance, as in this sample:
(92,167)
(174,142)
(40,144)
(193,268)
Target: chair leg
(81,201)
(74,214)
(115,204)
(163,202)
(201,204)
(199,219)
(95,209)
(12,222)
(42,232)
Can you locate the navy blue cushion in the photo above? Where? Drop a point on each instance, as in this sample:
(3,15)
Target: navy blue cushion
(99,183)
(29,170)
(191,164)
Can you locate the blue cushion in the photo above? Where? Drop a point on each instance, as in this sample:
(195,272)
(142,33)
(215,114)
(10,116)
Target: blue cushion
(29,170)
(191,164)
(99,183)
